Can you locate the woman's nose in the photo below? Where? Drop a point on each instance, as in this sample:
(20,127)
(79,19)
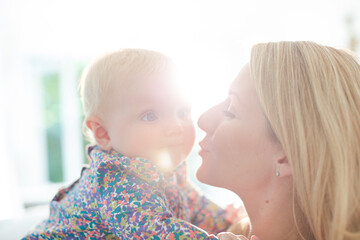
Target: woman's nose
(209,119)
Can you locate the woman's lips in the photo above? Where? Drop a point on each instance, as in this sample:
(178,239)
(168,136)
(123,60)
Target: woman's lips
(203,151)
(203,146)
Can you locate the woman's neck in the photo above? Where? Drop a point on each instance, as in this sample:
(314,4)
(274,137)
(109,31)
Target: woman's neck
(270,210)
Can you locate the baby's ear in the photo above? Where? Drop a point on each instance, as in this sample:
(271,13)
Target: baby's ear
(96,125)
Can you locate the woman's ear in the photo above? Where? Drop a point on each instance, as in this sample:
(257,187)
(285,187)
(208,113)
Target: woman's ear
(96,125)
(283,168)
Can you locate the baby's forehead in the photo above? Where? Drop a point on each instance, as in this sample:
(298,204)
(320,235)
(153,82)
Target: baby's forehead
(149,88)
(137,78)
(157,91)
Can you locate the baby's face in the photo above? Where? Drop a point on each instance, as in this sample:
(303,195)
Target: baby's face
(150,119)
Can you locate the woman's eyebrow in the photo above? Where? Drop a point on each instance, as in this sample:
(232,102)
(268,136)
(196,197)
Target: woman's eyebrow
(234,94)
(240,101)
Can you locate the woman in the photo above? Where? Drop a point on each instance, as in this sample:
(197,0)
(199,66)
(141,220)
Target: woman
(287,141)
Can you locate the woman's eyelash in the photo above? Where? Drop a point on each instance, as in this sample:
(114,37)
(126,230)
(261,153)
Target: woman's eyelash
(229,114)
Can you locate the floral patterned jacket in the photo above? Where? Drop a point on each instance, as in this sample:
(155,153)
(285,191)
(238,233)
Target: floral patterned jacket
(129,198)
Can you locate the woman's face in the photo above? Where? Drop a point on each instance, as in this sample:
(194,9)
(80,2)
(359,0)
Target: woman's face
(238,151)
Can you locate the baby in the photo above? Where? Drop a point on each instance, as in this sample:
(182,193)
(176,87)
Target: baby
(136,185)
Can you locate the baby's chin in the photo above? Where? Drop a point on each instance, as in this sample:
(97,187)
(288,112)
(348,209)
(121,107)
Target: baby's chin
(168,161)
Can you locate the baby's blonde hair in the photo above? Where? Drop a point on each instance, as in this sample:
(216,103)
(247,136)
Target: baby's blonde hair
(311,97)
(119,66)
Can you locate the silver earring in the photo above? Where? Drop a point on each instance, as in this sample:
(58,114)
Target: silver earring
(277,173)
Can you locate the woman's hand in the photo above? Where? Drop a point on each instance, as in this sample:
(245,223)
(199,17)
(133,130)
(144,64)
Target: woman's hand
(231,236)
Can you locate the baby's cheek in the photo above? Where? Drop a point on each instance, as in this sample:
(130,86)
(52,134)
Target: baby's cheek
(190,139)
(139,146)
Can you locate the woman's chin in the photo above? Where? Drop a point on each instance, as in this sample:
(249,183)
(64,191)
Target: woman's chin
(204,175)
(200,176)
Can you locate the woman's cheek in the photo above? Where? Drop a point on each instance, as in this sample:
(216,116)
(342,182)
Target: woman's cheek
(225,141)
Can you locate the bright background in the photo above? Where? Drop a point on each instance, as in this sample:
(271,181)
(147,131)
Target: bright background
(44,45)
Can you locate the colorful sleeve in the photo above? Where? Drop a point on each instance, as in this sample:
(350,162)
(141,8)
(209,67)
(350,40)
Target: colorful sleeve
(204,213)
(134,211)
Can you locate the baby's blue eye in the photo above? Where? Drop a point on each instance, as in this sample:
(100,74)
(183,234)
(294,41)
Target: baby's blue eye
(149,116)
(183,113)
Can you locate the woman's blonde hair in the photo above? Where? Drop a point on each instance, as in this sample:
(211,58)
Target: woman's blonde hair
(311,97)
(121,66)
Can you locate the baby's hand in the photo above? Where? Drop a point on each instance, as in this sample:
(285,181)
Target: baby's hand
(231,236)
(235,214)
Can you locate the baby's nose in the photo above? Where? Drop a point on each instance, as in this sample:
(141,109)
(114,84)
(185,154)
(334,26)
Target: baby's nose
(174,127)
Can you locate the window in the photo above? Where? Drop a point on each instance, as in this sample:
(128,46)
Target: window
(51,91)
(57,158)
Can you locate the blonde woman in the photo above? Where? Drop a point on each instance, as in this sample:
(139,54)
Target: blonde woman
(287,141)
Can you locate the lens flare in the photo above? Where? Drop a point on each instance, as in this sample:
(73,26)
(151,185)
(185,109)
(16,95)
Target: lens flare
(164,161)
